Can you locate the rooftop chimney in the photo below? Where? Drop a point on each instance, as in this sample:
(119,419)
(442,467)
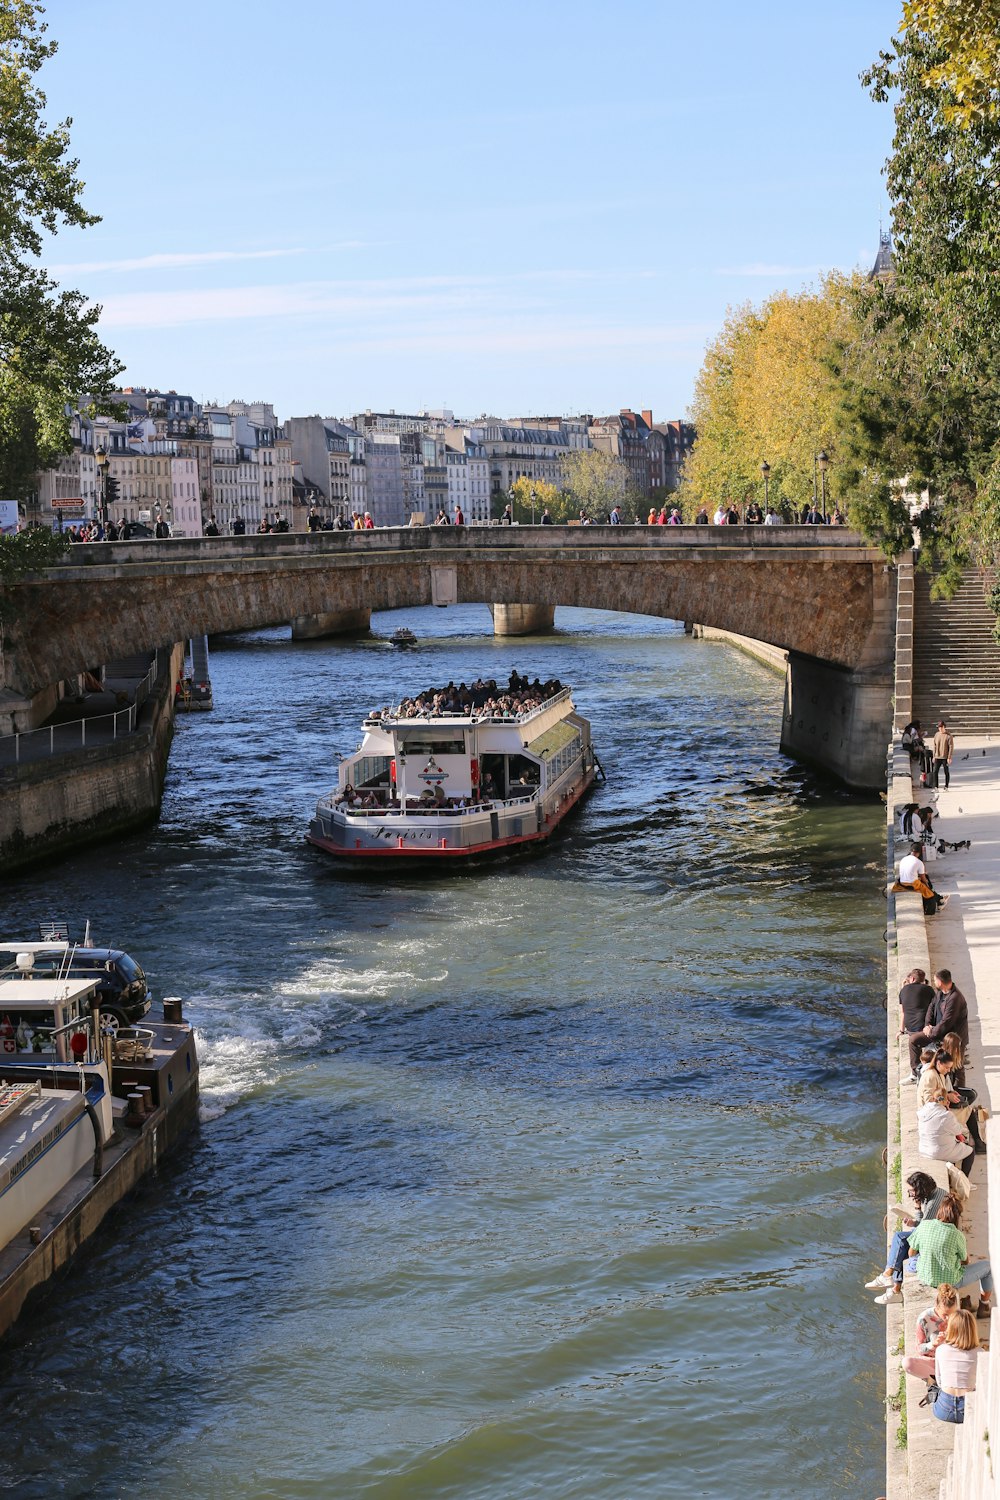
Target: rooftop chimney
(647,417)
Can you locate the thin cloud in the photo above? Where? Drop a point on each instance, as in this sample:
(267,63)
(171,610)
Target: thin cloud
(167,261)
(349,301)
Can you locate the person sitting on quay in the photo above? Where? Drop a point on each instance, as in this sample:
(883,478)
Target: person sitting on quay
(939,1139)
(937,1083)
(912,738)
(961,1100)
(927,1198)
(955,1360)
(948,1011)
(915,1000)
(931,1326)
(913,877)
(943,1254)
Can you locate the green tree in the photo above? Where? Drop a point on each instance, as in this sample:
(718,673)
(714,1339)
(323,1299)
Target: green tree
(50,353)
(921,379)
(595,482)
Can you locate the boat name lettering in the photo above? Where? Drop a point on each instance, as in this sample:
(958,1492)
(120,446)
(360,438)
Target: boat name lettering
(409,834)
(30,1156)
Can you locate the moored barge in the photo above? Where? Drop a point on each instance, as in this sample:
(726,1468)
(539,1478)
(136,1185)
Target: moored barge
(87,1109)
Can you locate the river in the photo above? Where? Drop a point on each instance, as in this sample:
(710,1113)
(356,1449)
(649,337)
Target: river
(556,1178)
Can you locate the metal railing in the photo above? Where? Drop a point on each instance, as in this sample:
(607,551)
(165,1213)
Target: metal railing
(77,734)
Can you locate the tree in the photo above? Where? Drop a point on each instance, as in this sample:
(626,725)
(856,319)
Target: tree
(50,353)
(595,483)
(921,383)
(967,35)
(532,496)
(769,392)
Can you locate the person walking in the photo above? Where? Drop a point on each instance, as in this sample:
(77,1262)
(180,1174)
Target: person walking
(944,750)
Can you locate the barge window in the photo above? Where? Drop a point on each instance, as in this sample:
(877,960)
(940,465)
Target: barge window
(423,745)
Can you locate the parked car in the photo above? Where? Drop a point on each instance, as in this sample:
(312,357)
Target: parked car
(124,995)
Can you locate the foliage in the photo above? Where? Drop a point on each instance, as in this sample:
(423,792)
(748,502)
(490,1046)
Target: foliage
(545,495)
(769,392)
(49,350)
(967,34)
(920,382)
(595,483)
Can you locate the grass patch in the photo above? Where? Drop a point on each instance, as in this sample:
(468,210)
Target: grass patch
(900,1344)
(897,1403)
(897,1176)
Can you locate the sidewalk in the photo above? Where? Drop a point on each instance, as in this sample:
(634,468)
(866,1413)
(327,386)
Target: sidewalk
(964,937)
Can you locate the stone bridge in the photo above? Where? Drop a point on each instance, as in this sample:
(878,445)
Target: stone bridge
(821,594)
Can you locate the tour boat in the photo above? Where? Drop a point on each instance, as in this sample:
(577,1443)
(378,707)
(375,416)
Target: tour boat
(87,1109)
(403,637)
(446,780)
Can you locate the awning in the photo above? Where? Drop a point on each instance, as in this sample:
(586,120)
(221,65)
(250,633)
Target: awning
(553,739)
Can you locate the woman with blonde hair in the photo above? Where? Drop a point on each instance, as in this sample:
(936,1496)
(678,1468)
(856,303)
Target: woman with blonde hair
(931,1327)
(955,1361)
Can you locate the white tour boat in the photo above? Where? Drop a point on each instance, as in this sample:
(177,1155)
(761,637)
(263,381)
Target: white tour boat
(458,773)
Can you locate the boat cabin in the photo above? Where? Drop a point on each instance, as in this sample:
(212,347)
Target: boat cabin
(38,1018)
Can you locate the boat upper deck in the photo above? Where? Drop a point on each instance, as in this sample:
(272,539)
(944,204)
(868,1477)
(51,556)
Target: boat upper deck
(482,703)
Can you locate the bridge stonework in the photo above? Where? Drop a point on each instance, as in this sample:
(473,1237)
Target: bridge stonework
(821,595)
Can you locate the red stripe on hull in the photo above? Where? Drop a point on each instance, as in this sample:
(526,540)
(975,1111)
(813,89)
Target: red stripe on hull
(390,855)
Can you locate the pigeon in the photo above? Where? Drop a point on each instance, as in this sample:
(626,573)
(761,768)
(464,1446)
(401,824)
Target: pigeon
(965,757)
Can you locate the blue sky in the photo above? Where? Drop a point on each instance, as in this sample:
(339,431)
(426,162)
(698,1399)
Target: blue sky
(513,209)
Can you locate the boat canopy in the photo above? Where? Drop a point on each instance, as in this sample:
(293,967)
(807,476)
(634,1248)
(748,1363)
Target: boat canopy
(553,739)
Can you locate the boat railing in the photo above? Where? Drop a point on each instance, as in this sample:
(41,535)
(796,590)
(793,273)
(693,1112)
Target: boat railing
(337,804)
(385,721)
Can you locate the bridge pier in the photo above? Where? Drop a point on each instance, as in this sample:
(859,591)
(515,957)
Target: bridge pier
(333,622)
(522,619)
(838,720)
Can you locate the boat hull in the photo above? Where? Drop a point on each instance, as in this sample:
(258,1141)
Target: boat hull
(79,1209)
(452,855)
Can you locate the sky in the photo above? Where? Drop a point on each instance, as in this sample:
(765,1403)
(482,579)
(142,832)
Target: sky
(516,209)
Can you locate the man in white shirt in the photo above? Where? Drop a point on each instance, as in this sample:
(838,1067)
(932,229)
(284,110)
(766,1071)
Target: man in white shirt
(913,877)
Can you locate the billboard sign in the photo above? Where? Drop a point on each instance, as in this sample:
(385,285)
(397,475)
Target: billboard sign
(9,522)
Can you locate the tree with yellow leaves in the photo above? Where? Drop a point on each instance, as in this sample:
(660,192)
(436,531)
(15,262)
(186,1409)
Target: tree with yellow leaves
(966,36)
(768,393)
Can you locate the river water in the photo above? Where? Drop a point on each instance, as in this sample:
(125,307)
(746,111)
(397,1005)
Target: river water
(557,1178)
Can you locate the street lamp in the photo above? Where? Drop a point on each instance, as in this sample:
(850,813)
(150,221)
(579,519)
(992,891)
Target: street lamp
(823,461)
(532,505)
(103,463)
(765,470)
(512,500)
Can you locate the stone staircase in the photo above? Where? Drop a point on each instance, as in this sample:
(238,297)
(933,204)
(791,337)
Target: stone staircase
(956,661)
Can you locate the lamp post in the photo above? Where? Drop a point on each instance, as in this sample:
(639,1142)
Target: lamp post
(512,501)
(823,460)
(532,505)
(765,470)
(103,463)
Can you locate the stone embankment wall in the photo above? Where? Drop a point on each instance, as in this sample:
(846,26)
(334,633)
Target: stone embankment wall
(769,656)
(51,806)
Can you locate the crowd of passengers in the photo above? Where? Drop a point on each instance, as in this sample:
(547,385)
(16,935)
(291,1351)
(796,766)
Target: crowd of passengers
(484,699)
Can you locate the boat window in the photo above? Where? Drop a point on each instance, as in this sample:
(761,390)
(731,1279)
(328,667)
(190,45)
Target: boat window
(370,770)
(423,745)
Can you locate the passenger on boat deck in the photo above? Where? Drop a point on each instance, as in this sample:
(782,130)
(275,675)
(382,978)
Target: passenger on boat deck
(485,699)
